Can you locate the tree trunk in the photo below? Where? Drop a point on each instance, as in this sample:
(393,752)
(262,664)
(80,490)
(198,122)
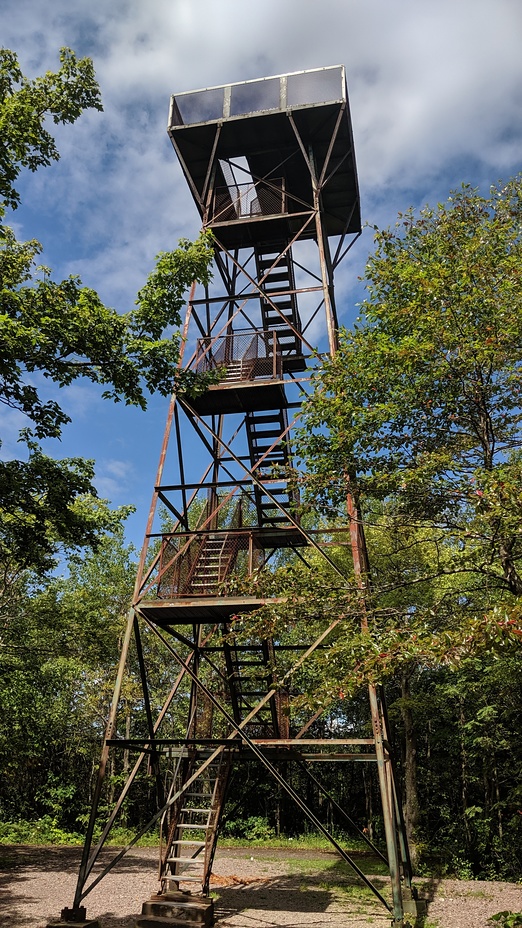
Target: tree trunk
(368,801)
(464,775)
(411,798)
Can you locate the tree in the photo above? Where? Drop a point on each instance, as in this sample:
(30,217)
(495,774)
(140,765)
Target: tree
(24,106)
(419,415)
(59,331)
(60,647)
(422,401)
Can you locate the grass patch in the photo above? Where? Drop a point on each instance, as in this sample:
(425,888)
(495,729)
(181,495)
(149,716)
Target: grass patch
(299,842)
(46,831)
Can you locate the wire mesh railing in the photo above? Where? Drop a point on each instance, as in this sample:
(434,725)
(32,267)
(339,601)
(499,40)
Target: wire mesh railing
(242,356)
(203,564)
(246,201)
(300,88)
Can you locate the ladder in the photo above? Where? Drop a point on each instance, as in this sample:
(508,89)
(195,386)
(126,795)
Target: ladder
(194,823)
(279,307)
(264,430)
(250,674)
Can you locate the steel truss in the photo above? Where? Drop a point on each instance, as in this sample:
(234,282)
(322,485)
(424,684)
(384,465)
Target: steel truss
(271,168)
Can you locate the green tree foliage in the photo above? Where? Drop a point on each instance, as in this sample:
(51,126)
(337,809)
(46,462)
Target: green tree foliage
(468,764)
(419,415)
(422,401)
(57,663)
(25,104)
(59,655)
(54,332)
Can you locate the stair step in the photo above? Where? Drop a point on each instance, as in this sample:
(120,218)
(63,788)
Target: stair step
(269,258)
(279,316)
(186,841)
(272,426)
(269,506)
(172,909)
(190,809)
(240,664)
(183,878)
(272,255)
(191,827)
(276,275)
(267,428)
(279,307)
(186,860)
(268,417)
(277,271)
(270,435)
(284,305)
(278,449)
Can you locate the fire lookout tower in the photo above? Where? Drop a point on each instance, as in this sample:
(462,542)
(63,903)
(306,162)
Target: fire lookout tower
(270,164)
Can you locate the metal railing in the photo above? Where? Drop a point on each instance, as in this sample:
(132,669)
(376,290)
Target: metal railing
(202,565)
(265,95)
(243,356)
(245,201)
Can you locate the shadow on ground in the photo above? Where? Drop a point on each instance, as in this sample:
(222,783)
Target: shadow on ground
(307,897)
(297,897)
(17,859)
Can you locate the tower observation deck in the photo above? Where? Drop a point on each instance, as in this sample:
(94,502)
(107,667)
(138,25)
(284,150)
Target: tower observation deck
(270,164)
(254,153)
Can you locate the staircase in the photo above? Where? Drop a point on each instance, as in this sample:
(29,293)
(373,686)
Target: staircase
(194,825)
(250,674)
(264,430)
(212,565)
(235,372)
(279,310)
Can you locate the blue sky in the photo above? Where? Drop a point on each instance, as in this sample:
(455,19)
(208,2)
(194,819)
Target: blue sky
(435,91)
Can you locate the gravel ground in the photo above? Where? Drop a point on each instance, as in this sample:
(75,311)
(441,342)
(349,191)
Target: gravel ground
(254,888)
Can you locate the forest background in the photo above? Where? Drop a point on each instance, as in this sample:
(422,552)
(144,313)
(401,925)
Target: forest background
(436,443)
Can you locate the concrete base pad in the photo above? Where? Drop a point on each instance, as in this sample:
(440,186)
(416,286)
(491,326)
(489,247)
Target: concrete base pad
(176,908)
(414,909)
(89,923)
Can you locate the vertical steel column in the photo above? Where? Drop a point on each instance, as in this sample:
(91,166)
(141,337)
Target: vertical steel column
(109,733)
(362,575)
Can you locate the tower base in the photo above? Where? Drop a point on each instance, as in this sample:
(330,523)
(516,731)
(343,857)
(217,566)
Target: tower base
(176,908)
(415,909)
(74,918)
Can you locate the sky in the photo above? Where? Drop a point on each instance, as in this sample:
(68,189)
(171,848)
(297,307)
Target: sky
(435,89)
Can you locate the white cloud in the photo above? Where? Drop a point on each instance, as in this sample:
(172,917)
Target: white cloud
(114,479)
(435,93)
(431,85)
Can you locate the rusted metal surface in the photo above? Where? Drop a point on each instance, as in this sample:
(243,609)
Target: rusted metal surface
(274,179)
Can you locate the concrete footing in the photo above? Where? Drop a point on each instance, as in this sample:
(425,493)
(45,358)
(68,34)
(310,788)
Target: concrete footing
(74,923)
(176,908)
(74,918)
(414,909)
(89,923)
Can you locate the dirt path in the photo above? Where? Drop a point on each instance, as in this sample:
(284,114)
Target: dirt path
(257,888)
